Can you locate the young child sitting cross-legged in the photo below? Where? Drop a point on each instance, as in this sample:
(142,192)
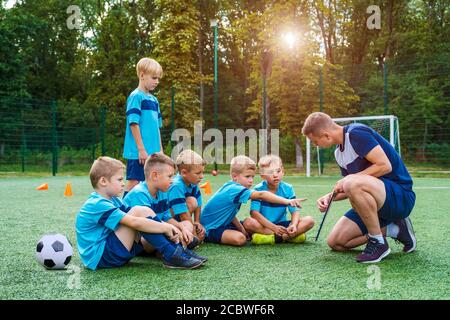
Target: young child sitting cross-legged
(268,222)
(219,214)
(159,170)
(110,233)
(185,198)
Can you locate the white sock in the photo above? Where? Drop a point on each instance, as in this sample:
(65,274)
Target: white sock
(392,230)
(379,237)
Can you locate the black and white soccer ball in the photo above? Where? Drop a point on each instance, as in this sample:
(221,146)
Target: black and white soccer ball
(54,251)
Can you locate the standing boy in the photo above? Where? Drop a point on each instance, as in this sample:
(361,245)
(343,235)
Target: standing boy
(144,120)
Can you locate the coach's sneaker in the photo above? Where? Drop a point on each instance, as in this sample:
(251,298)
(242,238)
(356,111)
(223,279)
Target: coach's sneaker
(298,239)
(258,238)
(406,235)
(181,260)
(193,244)
(374,251)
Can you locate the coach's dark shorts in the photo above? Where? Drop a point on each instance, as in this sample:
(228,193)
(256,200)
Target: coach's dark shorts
(398,205)
(215,235)
(116,254)
(135,171)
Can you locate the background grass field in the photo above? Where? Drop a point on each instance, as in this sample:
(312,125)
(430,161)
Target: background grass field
(286,271)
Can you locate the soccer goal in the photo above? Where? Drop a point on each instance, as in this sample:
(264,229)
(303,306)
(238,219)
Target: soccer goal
(387,126)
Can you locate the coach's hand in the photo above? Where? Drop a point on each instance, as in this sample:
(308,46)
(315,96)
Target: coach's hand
(143,155)
(322,202)
(339,186)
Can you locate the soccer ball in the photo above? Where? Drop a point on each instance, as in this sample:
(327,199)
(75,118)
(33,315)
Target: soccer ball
(54,251)
(214,173)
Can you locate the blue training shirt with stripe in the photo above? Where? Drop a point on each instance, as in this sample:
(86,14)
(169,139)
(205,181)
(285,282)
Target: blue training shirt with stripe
(95,221)
(140,196)
(179,191)
(359,140)
(274,212)
(142,109)
(224,205)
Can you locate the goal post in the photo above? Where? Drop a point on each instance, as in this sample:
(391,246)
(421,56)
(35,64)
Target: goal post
(386,125)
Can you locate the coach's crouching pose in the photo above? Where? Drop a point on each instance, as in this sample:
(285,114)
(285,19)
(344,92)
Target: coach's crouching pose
(375,181)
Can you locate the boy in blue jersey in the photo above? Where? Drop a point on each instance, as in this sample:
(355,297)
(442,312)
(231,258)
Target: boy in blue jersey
(219,214)
(150,193)
(268,222)
(185,198)
(375,181)
(110,233)
(144,120)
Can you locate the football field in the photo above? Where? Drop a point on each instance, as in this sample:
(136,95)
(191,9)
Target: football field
(286,271)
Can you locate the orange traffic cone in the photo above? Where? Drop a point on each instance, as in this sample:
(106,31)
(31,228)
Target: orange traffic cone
(207,187)
(43,187)
(68,192)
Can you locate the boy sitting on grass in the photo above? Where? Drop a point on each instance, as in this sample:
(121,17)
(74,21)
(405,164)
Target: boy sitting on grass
(219,214)
(159,170)
(185,198)
(110,233)
(268,222)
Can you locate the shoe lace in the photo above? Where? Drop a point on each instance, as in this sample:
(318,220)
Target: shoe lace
(371,247)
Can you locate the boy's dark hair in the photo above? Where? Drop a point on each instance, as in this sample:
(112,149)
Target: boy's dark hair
(155,160)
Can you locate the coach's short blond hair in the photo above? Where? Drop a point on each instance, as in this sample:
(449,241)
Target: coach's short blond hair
(155,161)
(149,66)
(104,167)
(241,163)
(187,159)
(267,160)
(316,122)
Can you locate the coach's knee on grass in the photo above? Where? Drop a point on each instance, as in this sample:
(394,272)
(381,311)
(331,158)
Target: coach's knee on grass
(141,211)
(336,243)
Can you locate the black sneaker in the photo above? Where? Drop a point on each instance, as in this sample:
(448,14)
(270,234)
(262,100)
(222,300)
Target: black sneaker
(196,256)
(406,235)
(374,251)
(181,260)
(194,244)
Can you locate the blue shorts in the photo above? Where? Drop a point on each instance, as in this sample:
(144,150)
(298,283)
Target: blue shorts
(135,171)
(116,254)
(215,235)
(283,223)
(398,205)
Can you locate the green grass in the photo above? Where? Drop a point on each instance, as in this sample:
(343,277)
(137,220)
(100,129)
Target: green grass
(286,271)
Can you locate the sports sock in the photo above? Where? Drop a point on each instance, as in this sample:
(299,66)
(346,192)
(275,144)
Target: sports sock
(392,230)
(160,242)
(379,237)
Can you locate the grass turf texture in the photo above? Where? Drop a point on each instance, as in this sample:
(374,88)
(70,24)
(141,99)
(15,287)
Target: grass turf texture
(285,271)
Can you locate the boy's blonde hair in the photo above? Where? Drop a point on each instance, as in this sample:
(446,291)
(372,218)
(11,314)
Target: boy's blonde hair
(241,163)
(316,122)
(104,167)
(187,159)
(156,160)
(149,66)
(265,162)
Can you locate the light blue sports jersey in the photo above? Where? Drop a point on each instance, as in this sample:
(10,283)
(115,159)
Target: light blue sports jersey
(143,109)
(140,196)
(274,212)
(179,191)
(224,205)
(359,140)
(96,220)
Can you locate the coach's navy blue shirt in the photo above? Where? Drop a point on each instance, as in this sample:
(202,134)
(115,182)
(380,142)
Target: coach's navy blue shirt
(359,140)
